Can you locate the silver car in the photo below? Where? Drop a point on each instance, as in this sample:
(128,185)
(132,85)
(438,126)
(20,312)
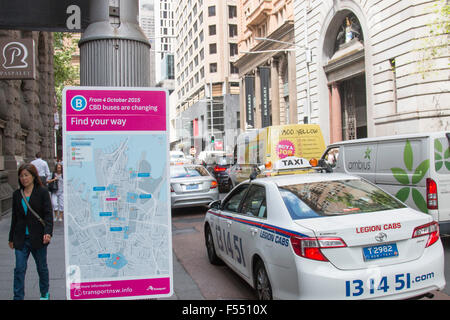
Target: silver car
(191,186)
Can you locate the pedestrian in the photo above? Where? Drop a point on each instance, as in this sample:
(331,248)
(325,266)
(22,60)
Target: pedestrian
(42,168)
(31,229)
(55,186)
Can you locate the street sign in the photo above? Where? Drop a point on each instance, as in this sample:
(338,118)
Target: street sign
(117,224)
(17,58)
(45,15)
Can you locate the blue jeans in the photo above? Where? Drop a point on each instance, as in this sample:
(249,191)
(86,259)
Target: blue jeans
(40,257)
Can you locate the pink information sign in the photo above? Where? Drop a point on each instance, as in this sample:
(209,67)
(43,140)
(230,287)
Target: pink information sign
(117,223)
(115,110)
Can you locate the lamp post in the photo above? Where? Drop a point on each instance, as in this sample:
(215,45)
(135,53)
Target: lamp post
(114,51)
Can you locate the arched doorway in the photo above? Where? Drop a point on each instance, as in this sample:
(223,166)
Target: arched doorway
(345,74)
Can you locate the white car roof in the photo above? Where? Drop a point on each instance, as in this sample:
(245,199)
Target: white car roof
(283,180)
(395,137)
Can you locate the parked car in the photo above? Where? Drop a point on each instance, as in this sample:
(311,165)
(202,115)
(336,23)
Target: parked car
(414,167)
(209,157)
(217,163)
(191,186)
(324,236)
(220,171)
(178,157)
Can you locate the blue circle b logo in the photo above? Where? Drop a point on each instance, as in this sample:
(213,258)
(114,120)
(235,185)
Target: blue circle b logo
(78,103)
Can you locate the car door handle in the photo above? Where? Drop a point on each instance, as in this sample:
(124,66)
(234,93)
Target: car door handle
(253,231)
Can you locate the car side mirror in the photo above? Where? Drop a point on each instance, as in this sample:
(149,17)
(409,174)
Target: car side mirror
(325,165)
(216,204)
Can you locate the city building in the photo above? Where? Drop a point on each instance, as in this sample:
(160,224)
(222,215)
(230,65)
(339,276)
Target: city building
(207,82)
(266,63)
(372,68)
(26,112)
(164,44)
(147,23)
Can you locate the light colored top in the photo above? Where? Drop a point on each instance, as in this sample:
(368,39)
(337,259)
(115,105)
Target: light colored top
(42,168)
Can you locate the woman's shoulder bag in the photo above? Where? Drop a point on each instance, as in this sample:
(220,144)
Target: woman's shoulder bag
(31,209)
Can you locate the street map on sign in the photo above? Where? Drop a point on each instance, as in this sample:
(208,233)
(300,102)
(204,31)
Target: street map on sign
(117,206)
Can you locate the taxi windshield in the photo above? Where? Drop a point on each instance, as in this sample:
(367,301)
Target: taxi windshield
(187,171)
(331,198)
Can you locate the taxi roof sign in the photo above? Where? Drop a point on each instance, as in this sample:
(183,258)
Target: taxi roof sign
(292,163)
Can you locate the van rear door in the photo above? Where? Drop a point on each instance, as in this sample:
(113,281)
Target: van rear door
(441,165)
(402,168)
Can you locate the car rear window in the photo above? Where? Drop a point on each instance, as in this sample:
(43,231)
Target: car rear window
(187,171)
(332,198)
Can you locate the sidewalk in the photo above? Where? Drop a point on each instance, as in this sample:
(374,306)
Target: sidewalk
(184,287)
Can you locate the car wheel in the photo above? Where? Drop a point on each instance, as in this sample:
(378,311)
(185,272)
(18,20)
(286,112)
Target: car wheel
(262,283)
(209,241)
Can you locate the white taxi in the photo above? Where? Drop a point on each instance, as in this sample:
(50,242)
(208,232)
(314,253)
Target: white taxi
(324,236)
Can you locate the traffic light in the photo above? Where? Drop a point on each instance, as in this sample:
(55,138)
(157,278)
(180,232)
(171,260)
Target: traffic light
(212,139)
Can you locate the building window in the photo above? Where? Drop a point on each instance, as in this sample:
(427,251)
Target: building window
(213,67)
(232,12)
(233,49)
(212,48)
(211,11)
(233,69)
(233,30)
(212,30)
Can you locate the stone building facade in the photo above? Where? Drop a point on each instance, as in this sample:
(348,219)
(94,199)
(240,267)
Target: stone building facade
(267,61)
(361,73)
(26,115)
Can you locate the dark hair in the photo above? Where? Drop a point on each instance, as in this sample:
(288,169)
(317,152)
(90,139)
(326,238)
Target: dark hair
(38,154)
(31,169)
(56,168)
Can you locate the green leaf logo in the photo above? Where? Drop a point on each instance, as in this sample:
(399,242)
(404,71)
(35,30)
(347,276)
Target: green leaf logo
(420,171)
(367,153)
(441,157)
(408,156)
(401,175)
(403,194)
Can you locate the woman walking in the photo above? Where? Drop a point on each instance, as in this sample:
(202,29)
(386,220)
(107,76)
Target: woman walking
(31,229)
(56,185)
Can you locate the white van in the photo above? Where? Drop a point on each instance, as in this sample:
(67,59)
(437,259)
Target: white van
(415,168)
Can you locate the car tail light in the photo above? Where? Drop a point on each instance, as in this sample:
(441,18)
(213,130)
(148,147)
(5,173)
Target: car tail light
(171,189)
(310,247)
(219,169)
(431,229)
(213,184)
(432,200)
